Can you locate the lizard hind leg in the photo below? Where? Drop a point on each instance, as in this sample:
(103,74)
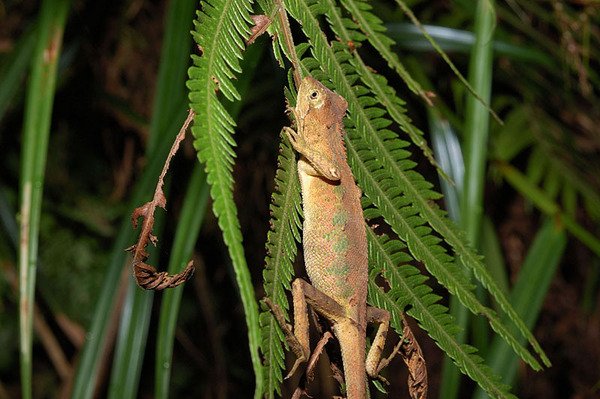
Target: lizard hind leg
(408,348)
(304,294)
(298,338)
(374,363)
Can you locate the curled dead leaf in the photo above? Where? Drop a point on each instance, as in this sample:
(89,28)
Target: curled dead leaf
(411,353)
(146,275)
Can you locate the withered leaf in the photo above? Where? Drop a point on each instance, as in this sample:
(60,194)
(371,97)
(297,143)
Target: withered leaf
(261,23)
(411,353)
(146,275)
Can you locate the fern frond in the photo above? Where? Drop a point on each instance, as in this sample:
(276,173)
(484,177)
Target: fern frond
(281,251)
(445,57)
(373,28)
(423,246)
(347,30)
(408,289)
(376,155)
(219,31)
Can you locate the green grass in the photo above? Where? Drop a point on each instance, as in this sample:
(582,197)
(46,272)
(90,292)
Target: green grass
(36,130)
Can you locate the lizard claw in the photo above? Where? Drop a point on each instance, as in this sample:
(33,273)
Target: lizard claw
(298,363)
(334,173)
(295,138)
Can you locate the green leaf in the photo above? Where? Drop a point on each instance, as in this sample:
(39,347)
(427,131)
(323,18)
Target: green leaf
(188,229)
(281,251)
(219,31)
(36,131)
(374,31)
(543,258)
(408,290)
(545,204)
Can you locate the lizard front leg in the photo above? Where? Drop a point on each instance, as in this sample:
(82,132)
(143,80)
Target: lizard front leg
(323,165)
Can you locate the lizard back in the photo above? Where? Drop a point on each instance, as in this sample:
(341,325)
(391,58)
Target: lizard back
(334,237)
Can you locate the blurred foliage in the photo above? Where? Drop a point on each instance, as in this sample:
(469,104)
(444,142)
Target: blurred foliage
(82,258)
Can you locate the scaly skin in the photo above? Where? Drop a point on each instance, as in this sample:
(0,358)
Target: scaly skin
(334,236)
(335,252)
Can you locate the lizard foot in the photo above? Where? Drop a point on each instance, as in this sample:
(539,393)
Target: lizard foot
(323,165)
(291,339)
(296,139)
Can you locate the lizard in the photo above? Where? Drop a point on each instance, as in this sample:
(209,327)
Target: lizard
(334,241)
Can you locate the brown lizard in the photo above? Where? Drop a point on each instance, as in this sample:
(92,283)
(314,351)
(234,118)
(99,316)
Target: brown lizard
(334,240)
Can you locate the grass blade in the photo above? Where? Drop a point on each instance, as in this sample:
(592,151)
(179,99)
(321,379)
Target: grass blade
(408,36)
(492,252)
(547,205)
(188,228)
(540,265)
(131,340)
(449,155)
(36,131)
(172,71)
(13,70)
(475,145)
(96,338)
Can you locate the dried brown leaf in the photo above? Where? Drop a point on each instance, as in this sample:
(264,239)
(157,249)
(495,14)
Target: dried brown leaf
(261,24)
(146,275)
(411,353)
(314,356)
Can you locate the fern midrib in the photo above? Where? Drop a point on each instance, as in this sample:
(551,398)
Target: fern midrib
(287,208)
(466,254)
(422,253)
(442,338)
(229,214)
(209,83)
(384,50)
(237,256)
(285,219)
(395,112)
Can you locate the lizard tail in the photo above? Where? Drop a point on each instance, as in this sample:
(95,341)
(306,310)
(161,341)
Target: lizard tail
(352,344)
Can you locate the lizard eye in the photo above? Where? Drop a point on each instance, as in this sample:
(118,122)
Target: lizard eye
(314,94)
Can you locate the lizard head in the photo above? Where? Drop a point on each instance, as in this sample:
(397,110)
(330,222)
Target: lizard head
(313,97)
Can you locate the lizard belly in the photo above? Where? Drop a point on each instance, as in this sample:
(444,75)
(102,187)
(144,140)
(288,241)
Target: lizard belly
(334,238)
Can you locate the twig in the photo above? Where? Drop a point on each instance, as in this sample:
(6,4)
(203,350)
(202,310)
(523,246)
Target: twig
(74,331)
(289,41)
(55,352)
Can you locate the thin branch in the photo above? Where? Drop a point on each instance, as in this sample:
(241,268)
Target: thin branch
(289,41)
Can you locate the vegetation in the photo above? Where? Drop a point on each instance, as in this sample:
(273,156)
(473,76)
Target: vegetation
(107,91)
